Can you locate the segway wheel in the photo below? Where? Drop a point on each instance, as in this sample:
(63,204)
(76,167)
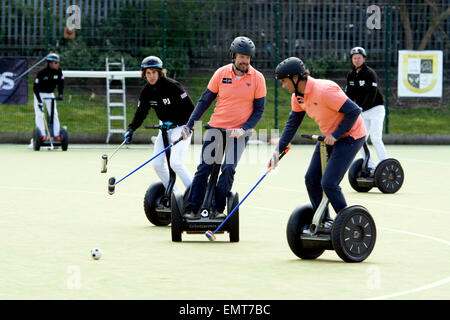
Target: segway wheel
(152,201)
(300,220)
(177,221)
(233,221)
(36,139)
(64,139)
(389,176)
(353,234)
(355,172)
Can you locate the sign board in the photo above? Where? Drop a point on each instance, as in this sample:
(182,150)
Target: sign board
(419,73)
(13,91)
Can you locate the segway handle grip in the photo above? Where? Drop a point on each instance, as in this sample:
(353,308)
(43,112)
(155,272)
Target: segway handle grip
(315,137)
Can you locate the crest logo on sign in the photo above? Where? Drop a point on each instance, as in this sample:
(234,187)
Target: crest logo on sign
(420,72)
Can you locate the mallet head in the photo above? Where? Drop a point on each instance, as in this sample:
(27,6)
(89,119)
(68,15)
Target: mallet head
(210,235)
(104,163)
(111,185)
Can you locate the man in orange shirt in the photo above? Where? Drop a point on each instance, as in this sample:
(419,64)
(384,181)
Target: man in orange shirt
(240,91)
(339,119)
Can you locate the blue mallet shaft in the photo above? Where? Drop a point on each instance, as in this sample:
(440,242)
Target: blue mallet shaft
(170,146)
(265,174)
(241,201)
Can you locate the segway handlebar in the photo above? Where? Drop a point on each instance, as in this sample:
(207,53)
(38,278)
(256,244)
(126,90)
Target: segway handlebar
(158,126)
(315,137)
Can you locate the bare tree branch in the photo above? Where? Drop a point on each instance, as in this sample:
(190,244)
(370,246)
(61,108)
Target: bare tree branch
(434,25)
(404,18)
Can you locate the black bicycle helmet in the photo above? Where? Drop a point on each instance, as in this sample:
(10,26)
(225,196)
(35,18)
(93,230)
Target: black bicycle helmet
(289,68)
(152,62)
(242,45)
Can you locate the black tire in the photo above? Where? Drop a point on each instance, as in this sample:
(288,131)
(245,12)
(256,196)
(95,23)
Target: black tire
(177,221)
(36,139)
(389,176)
(300,219)
(152,197)
(233,221)
(355,172)
(353,234)
(64,139)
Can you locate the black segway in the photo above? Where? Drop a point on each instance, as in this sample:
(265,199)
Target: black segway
(205,223)
(352,234)
(388,176)
(50,141)
(157,200)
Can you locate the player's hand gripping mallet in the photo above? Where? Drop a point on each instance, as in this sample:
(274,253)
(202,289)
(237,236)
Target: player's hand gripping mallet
(211,235)
(112,181)
(105,157)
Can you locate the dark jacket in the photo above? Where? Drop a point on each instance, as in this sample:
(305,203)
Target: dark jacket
(46,81)
(362,88)
(168,98)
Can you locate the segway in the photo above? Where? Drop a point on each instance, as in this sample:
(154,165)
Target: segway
(352,234)
(157,199)
(388,176)
(205,223)
(50,140)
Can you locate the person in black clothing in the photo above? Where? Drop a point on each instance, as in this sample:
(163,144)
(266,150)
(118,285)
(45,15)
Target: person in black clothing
(44,84)
(362,88)
(173,106)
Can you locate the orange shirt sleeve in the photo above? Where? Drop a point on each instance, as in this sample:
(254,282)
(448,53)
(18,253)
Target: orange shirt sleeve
(295,104)
(334,97)
(214,82)
(261,90)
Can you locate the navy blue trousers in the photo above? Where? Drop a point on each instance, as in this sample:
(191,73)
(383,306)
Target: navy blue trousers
(340,157)
(213,152)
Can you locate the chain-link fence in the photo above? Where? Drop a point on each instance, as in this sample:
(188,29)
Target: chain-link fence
(193,37)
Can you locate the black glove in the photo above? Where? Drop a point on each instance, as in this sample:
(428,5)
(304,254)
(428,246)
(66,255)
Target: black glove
(60,97)
(128,135)
(41,106)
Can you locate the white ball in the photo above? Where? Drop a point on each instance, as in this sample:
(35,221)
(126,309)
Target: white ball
(96,253)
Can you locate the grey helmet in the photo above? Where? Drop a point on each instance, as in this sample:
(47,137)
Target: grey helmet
(358,50)
(152,62)
(52,57)
(242,45)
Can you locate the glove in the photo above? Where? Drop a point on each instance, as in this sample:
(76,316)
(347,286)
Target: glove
(128,136)
(166,125)
(186,132)
(60,97)
(41,106)
(273,162)
(236,133)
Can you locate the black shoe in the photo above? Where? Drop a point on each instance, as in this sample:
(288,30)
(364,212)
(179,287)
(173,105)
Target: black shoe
(215,214)
(191,215)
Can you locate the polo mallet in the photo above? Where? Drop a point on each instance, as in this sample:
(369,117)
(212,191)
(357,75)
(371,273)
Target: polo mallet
(46,128)
(34,66)
(112,181)
(211,235)
(105,157)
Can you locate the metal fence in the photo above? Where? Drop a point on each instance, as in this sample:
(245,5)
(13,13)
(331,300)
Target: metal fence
(193,36)
(309,29)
